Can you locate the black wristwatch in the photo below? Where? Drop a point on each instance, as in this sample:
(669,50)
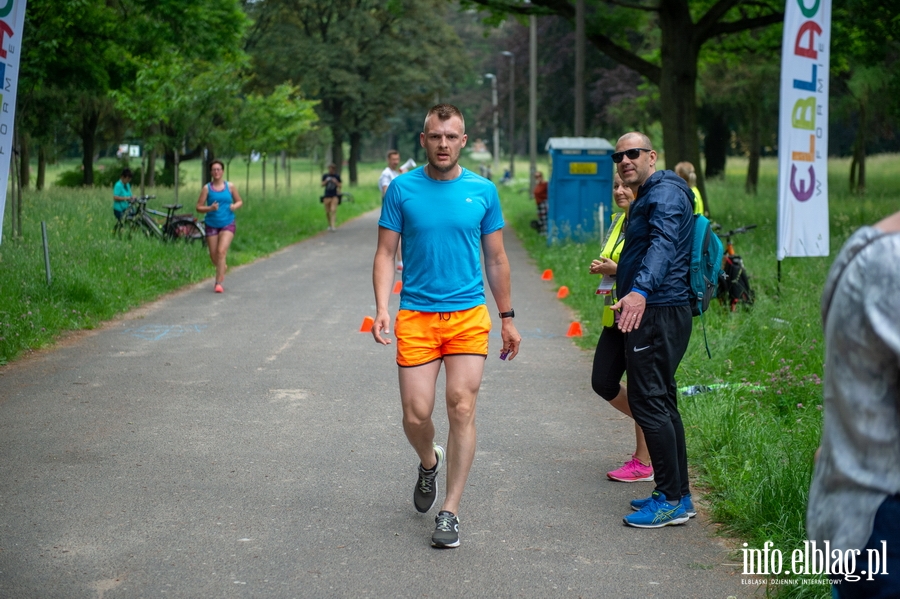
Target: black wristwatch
(510,314)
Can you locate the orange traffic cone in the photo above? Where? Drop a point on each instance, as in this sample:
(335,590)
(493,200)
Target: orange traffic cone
(397,287)
(366,326)
(574,330)
(547,276)
(563,292)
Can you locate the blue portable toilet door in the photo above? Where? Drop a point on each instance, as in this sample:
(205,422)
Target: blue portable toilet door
(581,180)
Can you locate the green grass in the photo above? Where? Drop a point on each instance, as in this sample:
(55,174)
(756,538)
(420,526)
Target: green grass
(751,442)
(96,276)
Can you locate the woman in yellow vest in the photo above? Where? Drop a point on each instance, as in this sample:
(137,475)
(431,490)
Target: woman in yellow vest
(686,171)
(609,358)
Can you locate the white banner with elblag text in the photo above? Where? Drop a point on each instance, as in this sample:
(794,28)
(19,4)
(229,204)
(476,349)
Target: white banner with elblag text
(803,130)
(12,22)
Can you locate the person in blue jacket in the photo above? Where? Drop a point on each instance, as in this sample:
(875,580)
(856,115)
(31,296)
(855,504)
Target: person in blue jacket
(218,200)
(655,314)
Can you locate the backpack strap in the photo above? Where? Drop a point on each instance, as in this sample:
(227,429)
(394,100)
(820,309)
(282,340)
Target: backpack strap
(705,342)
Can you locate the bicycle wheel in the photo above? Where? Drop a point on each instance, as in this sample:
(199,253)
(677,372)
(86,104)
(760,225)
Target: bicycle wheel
(739,290)
(187,230)
(743,291)
(131,225)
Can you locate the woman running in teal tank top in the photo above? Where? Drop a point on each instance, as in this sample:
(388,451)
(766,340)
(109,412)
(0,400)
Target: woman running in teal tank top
(218,200)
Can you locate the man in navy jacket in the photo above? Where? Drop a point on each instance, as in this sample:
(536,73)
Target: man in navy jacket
(655,315)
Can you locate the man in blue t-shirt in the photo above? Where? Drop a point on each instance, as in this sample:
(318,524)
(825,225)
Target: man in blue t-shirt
(446,215)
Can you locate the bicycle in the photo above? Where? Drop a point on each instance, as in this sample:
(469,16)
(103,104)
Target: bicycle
(175,227)
(734,283)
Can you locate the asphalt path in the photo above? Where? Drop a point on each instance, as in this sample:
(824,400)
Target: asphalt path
(249,444)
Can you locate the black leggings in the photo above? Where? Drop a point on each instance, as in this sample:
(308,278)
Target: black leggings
(609,363)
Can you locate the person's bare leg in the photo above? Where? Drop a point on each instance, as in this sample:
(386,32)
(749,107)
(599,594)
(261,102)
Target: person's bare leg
(212,244)
(224,243)
(331,211)
(464,375)
(620,402)
(417,399)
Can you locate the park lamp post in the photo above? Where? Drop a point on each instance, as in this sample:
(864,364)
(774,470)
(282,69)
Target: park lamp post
(496,147)
(532,99)
(512,111)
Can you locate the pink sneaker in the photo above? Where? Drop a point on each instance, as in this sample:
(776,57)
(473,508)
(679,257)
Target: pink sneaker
(219,288)
(632,472)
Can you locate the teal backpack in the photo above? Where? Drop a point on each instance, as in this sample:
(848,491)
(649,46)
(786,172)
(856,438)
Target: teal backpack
(706,268)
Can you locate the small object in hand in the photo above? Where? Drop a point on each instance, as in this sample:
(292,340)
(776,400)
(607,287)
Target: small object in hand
(503,354)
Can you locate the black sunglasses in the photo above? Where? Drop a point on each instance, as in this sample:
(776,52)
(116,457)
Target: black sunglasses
(632,154)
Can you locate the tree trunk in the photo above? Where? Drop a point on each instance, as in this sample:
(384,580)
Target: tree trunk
(42,169)
(264,173)
(355,151)
(579,68)
(208,156)
(151,168)
(335,112)
(861,150)
(168,164)
(175,174)
(143,173)
(24,160)
(754,142)
(14,222)
(752,182)
(249,160)
(715,145)
(678,88)
(861,169)
(88,133)
(337,150)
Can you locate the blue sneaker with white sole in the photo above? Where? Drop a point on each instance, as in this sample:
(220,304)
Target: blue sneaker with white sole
(657,513)
(637,504)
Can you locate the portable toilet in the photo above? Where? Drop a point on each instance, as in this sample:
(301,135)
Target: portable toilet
(580,181)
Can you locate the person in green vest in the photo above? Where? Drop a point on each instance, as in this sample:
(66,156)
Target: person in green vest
(686,171)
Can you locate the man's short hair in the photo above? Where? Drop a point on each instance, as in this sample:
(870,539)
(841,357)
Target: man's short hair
(444,112)
(645,141)
(392,153)
(126,173)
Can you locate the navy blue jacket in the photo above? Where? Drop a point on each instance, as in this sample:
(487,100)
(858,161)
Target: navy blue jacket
(656,258)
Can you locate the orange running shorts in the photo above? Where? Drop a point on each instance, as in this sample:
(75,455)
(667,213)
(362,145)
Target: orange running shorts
(424,337)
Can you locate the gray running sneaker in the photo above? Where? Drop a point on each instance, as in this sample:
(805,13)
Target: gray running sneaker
(425,493)
(446,530)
